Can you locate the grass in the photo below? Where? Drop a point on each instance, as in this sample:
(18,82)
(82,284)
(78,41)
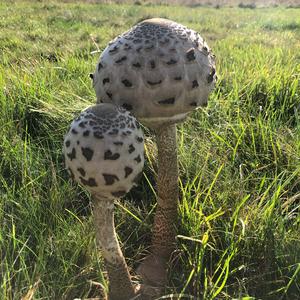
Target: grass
(238,231)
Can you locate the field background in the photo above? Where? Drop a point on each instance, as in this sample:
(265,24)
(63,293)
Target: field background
(238,232)
(195,3)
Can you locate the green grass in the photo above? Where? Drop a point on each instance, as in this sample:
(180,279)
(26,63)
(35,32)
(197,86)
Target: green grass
(238,231)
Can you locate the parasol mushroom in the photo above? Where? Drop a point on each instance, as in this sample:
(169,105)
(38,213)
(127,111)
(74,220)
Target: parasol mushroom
(160,71)
(104,152)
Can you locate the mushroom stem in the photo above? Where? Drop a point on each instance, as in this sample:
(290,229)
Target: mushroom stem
(153,269)
(163,239)
(120,286)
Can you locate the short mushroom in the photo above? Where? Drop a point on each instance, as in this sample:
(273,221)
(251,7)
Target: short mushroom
(160,70)
(104,152)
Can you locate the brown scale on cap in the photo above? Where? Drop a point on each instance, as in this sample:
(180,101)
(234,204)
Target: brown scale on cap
(154,65)
(97,153)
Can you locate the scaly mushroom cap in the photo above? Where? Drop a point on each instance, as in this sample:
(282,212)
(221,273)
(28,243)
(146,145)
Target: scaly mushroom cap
(104,150)
(159,69)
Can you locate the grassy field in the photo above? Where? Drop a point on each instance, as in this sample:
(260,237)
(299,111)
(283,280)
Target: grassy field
(238,233)
(194,3)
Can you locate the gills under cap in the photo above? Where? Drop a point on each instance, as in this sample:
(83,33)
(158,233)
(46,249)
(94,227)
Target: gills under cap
(160,70)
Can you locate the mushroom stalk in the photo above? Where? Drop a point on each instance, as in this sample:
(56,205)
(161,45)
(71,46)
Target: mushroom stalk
(120,286)
(164,231)
(153,269)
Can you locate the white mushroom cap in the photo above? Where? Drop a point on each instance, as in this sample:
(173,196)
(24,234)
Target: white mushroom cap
(161,70)
(104,150)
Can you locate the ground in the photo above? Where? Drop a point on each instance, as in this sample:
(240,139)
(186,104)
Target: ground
(238,230)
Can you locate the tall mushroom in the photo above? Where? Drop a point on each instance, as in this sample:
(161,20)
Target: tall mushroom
(104,152)
(160,70)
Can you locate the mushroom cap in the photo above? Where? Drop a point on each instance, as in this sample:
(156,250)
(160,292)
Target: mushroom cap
(104,150)
(159,69)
